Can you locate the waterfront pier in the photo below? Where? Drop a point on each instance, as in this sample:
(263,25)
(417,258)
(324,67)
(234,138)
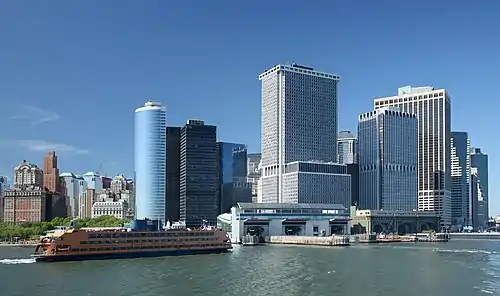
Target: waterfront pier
(334,240)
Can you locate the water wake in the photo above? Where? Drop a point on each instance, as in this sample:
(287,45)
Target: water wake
(17,261)
(465,251)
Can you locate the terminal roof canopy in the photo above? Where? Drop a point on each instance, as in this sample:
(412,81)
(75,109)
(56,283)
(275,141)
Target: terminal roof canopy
(288,206)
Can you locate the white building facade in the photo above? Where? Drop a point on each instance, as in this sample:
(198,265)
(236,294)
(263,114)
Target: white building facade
(271,219)
(299,123)
(116,209)
(433,110)
(93,180)
(27,174)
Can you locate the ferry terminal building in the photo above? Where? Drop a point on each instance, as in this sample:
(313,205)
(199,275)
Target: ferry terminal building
(278,219)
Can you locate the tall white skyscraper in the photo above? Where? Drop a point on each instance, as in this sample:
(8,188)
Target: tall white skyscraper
(433,109)
(150,161)
(347,148)
(299,137)
(388,146)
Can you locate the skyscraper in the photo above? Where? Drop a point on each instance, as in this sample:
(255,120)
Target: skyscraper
(199,198)
(233,185)
(149,154)
(299,126)
(433,109)
(461,214)
(347,148)
(479,161)
(72,193)
(253,173)
(388,150)
(93,180)
(475,194)
(51,172)
(172,199)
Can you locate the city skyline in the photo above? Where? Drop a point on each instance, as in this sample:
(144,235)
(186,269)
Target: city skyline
(50,169)
(84,94)
(433,110)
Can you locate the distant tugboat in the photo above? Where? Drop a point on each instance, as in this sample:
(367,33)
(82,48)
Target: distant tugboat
(144,238)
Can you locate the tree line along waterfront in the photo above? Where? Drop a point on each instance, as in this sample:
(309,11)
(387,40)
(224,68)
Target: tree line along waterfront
(33,230)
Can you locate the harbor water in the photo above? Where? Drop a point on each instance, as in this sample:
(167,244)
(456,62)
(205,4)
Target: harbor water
(459,268)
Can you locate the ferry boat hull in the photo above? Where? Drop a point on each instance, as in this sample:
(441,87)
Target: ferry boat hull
(143,238)
(126,255)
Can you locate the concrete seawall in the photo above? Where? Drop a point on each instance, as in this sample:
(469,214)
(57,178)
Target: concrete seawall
(310,240)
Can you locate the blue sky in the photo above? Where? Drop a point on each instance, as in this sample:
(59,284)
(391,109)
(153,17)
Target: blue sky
(72,72)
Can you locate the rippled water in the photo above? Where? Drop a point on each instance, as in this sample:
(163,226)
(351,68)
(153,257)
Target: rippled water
(456,268)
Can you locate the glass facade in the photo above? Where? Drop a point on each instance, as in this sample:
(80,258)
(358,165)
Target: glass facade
(461,214)
(150,160)
(233,175)
(173,173)
(253,171)
(199,197)
(388,150)
(347,148)
(433,110)
(479,161)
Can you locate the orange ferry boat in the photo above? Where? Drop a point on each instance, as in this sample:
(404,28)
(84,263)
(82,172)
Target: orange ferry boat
(144,238)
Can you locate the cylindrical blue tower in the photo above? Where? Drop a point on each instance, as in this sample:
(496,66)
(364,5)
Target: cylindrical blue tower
(150,154)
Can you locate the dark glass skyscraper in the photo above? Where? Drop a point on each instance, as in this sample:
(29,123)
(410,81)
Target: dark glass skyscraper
(388,158)
(172,198)
(198,186)
(479,161)
(461,214)
(233,185)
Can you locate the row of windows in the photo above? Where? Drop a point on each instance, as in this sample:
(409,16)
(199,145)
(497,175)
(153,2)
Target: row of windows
(148,234)
(107,242)
(142,248)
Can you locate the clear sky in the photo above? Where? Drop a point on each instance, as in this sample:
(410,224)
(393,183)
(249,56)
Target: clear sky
(72,72)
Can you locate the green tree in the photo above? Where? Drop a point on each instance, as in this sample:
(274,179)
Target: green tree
(33,230)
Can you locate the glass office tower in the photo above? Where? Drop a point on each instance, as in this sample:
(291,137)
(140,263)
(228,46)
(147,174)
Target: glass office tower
(150,159)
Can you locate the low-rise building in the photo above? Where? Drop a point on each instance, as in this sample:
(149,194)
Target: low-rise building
(33,204)
(116,209)
(278,219)
(396,222)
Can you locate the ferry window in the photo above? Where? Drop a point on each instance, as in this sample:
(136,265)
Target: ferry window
(84,249)
(92,249)
(75,249)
